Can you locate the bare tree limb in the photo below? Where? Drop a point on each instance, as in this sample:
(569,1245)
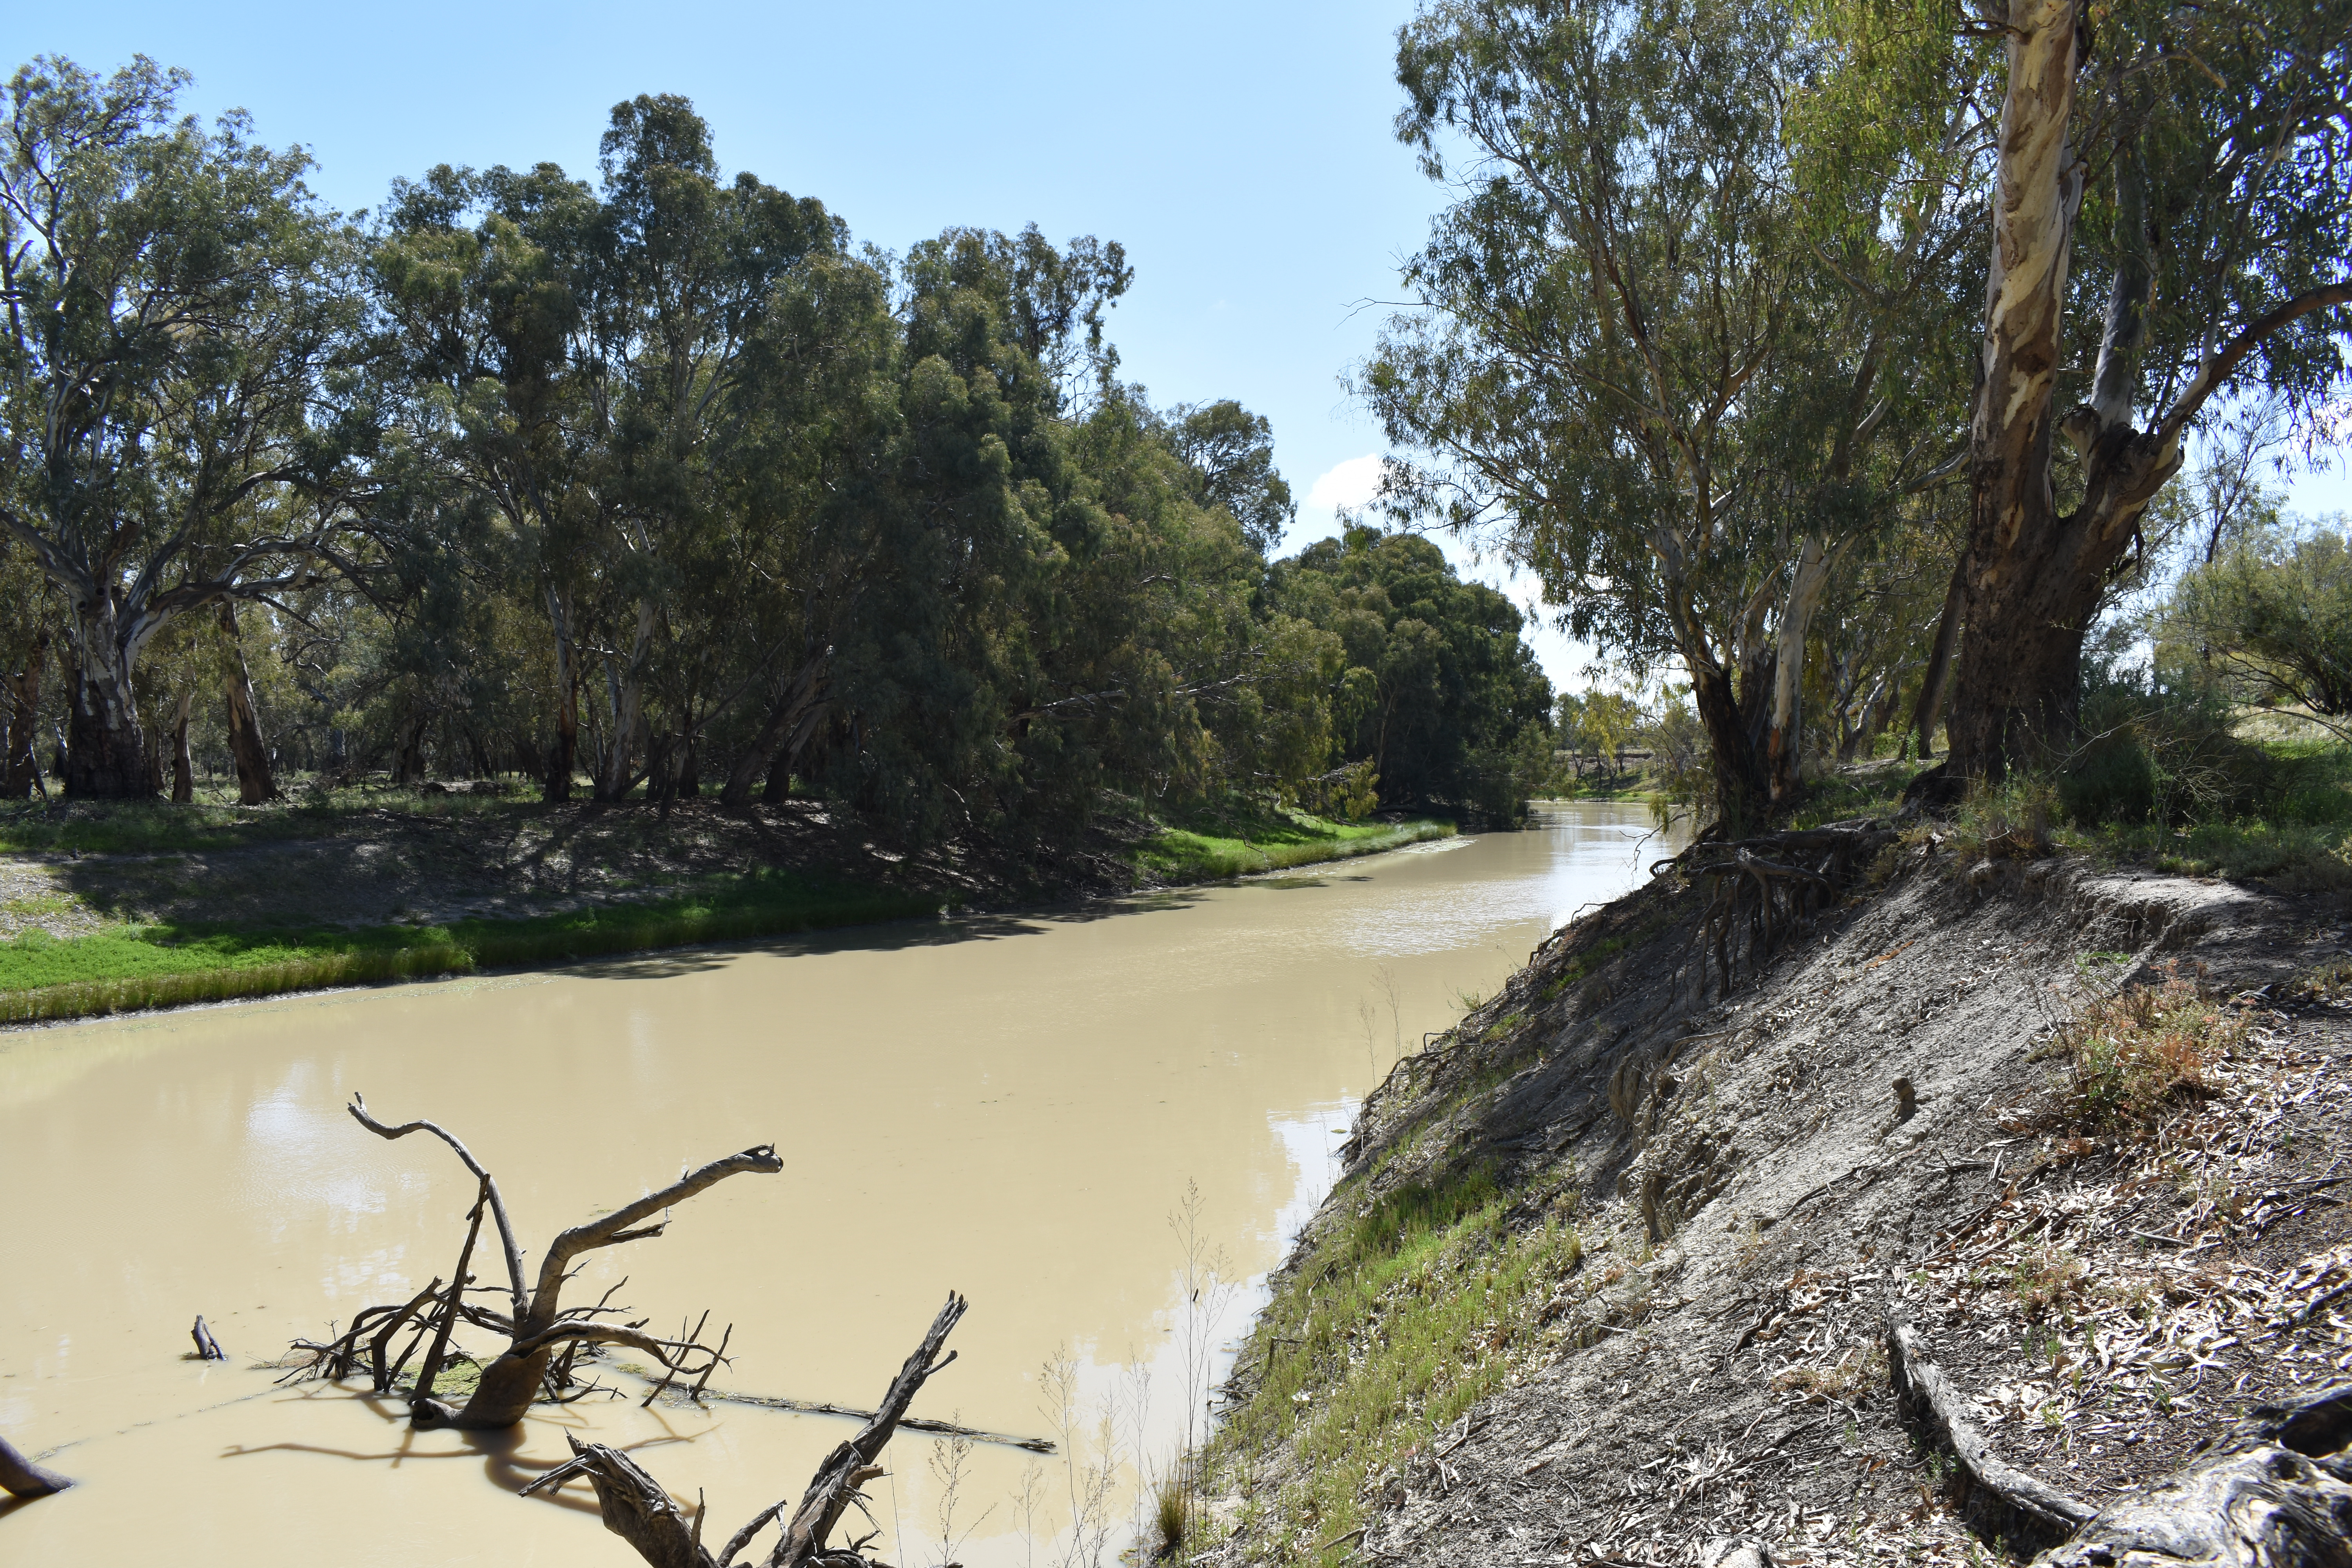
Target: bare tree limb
(616,1226)
(359,1111)
(1920,1385)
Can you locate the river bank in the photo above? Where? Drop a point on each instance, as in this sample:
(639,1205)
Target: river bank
(1609,1272)
(108,910)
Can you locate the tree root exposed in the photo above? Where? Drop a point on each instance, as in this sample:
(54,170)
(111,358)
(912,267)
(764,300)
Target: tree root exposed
(1767,887)
(636,1509)
(2276,1490)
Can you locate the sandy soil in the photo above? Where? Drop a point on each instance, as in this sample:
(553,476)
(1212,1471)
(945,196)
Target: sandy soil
(2106,1304)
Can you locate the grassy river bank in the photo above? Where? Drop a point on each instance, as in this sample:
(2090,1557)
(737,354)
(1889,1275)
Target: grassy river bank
(116,908)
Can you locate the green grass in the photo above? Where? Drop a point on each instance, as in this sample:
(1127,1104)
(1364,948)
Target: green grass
(1212,846)
(1393,1327)
(43,978)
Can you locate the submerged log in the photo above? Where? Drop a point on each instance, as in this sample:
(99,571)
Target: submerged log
(636,1509)
(19,1477)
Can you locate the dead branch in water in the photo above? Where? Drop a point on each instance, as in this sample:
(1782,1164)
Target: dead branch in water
(636,1509)
(538,1327)
(208,1347)
(909,1423)
(19,1477)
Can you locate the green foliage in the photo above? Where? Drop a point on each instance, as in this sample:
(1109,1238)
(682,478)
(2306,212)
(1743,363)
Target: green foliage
(2276,611)
(1436,688)
(1391,1327)
(1238,842)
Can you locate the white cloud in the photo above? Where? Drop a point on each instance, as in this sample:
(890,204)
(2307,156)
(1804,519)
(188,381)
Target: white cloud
(1352,483)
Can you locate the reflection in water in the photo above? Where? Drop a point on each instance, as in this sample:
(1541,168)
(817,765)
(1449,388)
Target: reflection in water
(1009,1106)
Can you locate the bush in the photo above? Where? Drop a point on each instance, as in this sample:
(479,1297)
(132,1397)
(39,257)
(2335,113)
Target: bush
(2136,1052)
(2167,752)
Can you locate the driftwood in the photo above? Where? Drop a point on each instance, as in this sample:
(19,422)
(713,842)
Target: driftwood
(19,1477)
(2275,1491)
(1925,1394)
(636,1509)
(544,1336)
(208,1347)
(1766,887)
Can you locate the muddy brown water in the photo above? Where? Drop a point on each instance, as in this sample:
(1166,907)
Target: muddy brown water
(1010,1106)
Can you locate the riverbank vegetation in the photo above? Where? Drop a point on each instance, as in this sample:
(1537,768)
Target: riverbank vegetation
(653,487)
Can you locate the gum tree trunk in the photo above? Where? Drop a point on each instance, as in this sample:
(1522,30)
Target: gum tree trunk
(20,769)
(2034,577)
(564,755)
(184,770)
(106,750)
(255,781)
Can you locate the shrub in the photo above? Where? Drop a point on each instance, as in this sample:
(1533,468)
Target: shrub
(2133,1054)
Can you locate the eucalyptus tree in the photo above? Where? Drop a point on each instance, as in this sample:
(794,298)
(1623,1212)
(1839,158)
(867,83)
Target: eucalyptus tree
(1231,451)
(185,402)
(579,362)
(1434,685)
(1643,354)
(2172,217)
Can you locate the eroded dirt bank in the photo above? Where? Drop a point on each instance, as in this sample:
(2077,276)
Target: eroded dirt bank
(1609,1276)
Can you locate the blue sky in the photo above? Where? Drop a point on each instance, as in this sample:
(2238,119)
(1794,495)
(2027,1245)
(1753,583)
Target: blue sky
(1242,152)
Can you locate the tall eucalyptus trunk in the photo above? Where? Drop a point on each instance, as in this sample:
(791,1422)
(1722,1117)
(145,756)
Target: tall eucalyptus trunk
(20,767)
(256,780)
(106,750)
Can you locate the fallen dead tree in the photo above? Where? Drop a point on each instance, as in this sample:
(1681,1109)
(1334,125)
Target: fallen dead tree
(635,1507)
(2008,1494)
(545,1338)
(19,1477)
(2273,1491)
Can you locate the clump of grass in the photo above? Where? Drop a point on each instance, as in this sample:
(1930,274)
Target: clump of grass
(2043,1276)
(1183,854)
(1396,1324)
(1169,1509)
(2135,1053)
(2011,822)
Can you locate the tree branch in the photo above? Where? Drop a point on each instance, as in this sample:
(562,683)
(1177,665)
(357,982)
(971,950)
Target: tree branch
(358,1108)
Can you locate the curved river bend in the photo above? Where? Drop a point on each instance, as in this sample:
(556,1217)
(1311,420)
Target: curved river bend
(1009,1106)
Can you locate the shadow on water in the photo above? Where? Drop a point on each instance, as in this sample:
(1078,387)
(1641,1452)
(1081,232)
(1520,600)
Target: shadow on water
(500,1452)
(890,936)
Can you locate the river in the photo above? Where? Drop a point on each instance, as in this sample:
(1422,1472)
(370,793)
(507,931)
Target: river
(1012,1107)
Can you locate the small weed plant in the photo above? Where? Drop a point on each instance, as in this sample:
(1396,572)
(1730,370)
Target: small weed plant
(2134,1054)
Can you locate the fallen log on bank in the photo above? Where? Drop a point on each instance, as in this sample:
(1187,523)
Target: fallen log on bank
(544,1336)
(635,1507)
(2275,1490)
(1925,1394)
